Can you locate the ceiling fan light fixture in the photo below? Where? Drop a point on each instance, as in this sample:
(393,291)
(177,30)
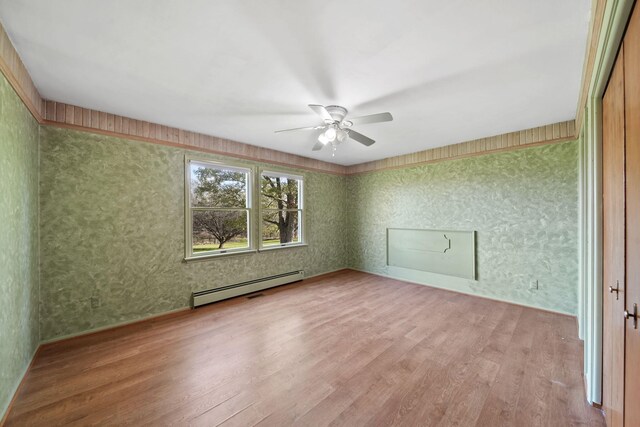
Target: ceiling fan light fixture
(323,139)
(342,135)
(331,134)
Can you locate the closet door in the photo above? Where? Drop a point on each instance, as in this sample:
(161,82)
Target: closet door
(613,193)
(632,130)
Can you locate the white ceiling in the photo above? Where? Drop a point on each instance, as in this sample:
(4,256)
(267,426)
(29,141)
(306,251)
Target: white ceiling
(448,71)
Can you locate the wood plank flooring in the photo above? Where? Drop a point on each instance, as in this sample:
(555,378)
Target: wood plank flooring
(348,349)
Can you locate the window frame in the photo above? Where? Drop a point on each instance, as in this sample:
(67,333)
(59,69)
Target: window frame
(301,209)
(189,255)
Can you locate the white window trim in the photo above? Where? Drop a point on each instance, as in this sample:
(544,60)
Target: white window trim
(189,255)
(301,209)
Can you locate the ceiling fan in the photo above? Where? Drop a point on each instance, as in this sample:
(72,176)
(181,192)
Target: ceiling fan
(337,129)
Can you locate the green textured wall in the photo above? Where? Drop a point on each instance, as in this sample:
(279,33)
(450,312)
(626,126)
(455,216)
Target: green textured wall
(19,333)
(523,205)
(112,228)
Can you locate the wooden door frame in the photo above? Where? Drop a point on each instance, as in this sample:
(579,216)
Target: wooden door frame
(616,16)
(614,242)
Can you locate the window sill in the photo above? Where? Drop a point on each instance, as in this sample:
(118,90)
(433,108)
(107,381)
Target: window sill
(276,247)
(218,255)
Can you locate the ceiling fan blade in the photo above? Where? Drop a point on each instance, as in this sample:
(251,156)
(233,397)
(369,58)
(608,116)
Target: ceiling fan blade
(365,140)
(372,118)
(305,128)
(322,112)
(319,146)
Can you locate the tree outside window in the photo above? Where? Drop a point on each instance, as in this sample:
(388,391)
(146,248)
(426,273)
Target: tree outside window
(220,208)
(281,209)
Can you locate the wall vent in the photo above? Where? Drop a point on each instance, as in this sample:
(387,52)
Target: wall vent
(218,294)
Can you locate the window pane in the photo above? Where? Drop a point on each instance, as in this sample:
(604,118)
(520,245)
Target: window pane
(218,187)
(279,192)
(214,230)
(280,227)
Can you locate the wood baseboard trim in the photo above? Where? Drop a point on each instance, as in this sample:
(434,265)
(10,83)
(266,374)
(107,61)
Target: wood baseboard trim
(20,385)
(158,317)
(324,275)
(102,329)
(470,294)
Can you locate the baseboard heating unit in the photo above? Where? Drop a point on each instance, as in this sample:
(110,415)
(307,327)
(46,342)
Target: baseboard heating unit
(230,291)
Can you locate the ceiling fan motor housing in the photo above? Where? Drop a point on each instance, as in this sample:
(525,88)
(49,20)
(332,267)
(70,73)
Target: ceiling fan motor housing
(337,112)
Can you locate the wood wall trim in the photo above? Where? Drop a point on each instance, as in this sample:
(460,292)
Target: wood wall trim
(71,117)
(16,73)
(549,134)
(52,113)
(64,115)
(595,27)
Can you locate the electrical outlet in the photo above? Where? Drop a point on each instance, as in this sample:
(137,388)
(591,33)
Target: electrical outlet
(95,302)
(533,285)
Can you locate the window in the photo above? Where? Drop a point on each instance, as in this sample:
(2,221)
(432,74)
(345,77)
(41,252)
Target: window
(218,209)
(281,222)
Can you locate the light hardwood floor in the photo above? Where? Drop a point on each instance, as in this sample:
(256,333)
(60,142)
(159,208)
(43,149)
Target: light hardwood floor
(345,349)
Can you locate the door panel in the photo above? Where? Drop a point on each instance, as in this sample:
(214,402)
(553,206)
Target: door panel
(613,186)
(632,122)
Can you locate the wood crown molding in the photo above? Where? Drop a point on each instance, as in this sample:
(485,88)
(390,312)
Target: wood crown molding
(549,134)
(69,116)
(52,113)
(18,77)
